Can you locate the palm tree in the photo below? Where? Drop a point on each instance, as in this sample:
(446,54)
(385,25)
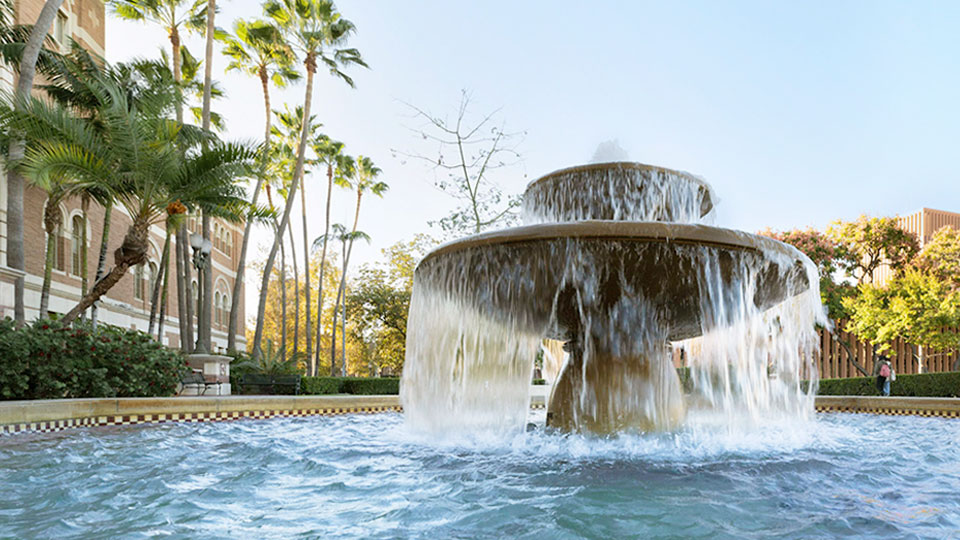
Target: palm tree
(282,270)
(340,234)
(346,172)
(366,180)
(206,310)
(256,48)
(271,362)
(68,77)
(328,152)
(172,16)
(317,30)
(137,155)
(26,70)
(58,189)
(288,130)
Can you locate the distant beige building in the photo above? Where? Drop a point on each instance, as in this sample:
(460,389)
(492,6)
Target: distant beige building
(922,224)
(128,303)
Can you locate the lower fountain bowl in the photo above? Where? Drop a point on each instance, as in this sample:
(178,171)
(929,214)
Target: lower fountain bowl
(543,278)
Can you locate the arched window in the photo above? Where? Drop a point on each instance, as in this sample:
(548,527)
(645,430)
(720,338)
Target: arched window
(217,312)
(76,246)
(229,249)
(138,282)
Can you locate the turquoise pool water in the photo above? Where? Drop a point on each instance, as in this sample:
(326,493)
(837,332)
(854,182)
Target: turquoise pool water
(367,476)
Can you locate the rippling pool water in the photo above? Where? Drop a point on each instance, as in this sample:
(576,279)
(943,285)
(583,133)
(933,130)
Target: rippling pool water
(368,477)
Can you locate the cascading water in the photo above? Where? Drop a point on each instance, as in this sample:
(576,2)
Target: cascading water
(614,261)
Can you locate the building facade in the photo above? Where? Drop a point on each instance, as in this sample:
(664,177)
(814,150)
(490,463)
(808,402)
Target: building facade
(128,303)
(922,224)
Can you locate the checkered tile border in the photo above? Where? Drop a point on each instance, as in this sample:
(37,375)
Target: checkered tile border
(95,421)
(889,411)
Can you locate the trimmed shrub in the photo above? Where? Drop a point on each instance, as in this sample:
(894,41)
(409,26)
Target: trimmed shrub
(539,382)
(366,386)
(945,384)
(371,386)
(48,360)
(318,386)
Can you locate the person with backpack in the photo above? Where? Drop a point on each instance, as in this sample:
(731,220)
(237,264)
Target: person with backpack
(885,374)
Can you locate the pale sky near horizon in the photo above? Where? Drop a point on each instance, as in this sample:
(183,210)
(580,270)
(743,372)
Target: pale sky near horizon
(797,114)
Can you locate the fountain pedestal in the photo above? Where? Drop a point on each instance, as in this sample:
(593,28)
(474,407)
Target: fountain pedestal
(600,392)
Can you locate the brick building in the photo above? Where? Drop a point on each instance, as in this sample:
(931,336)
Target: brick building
(922,224)
(128,303)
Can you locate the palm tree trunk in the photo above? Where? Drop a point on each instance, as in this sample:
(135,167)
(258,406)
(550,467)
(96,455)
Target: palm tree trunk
(158,282)
(291,197)
(283,302)
(336,307)
(131,252)
(241,264)
(15,182)
(184,285)
(323,263)
(47,274)
(306,267)
(102,257)
(85,213)
(343,329)
(52,220)
(206,310)
(342,294)
(296,292)
(166,284)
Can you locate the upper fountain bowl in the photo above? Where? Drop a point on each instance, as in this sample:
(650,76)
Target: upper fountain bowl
(619,191)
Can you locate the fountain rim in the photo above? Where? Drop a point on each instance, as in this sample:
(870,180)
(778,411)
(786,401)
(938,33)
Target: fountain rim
(634,231)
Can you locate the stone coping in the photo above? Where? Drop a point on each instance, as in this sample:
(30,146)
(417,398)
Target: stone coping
(56,415)
(915,406)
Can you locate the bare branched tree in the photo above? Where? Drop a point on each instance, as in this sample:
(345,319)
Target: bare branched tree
(467,153)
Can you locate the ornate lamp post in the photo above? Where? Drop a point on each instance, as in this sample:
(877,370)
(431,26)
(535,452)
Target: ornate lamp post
(201,259)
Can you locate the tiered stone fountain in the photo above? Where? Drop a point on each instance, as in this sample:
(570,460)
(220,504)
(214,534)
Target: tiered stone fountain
(616,261)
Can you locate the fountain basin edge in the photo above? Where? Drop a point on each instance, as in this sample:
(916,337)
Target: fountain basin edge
(51,415)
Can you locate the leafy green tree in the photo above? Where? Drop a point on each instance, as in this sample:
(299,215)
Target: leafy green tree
(916,306)
(378,304)
(941,256)
(862,246)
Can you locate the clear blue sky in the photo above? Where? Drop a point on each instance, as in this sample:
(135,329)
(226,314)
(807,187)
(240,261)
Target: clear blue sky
(798,114)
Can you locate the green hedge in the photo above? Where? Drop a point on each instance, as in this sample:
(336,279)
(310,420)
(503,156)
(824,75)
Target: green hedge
(49,360)
(366,386)
(314,386)
(945,384)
